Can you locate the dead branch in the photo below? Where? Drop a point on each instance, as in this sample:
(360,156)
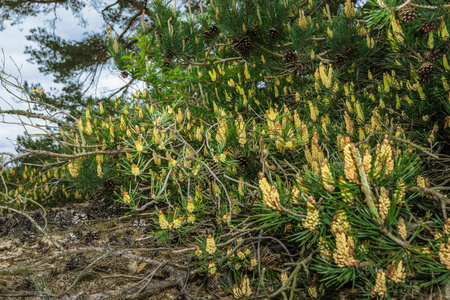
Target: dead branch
(29,114)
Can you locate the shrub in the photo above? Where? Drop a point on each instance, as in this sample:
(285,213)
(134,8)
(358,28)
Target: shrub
(285,124)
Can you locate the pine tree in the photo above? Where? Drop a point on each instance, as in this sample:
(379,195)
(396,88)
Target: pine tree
(72,61)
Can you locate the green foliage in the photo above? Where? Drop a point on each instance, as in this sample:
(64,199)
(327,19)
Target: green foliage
(15,12)
(65,59)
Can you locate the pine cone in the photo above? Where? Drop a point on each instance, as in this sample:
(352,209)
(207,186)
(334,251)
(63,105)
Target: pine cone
(169,54)
(243,162)
(211,33)
(433,55)
(408,15)
(298,65)
(340,60)
(426,68)
(289,56)
(109,184)
(207,35)
(214,30)
(243,45)
(253,33)
(273,33)
(428,26)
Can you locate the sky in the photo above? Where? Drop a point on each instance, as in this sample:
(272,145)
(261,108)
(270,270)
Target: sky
(13,61)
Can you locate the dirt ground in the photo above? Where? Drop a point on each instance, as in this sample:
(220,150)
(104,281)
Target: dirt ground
(108,256)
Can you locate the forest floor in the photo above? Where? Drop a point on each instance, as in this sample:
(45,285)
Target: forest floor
(108,255)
